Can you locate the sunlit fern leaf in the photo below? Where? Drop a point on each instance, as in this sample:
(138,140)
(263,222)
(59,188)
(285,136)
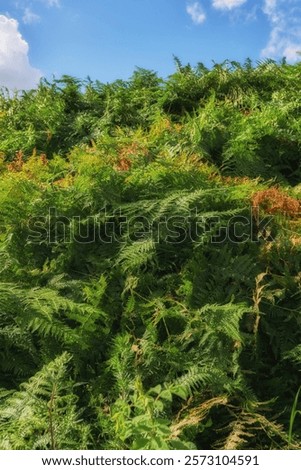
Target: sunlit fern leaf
(43,414)
(137,255)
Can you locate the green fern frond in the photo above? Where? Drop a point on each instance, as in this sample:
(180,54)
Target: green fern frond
(43,415)
(137,255)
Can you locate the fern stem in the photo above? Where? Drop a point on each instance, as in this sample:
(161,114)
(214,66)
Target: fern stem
(50,412)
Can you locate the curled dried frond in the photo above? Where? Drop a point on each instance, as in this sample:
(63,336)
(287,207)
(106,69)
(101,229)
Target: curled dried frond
(196,414)
(274,201)
(124,161)
(248,425)
(43,159)
(17,164)
(124,164)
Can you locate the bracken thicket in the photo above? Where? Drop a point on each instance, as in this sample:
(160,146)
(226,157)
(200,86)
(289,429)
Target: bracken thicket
(150,261)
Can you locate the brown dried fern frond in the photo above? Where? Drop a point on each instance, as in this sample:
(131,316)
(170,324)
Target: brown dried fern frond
(195,415)
(248,425)
(17,164)
(274,201)
(238,433)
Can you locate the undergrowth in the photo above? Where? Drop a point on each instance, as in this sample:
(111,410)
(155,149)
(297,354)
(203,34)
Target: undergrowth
(150,247)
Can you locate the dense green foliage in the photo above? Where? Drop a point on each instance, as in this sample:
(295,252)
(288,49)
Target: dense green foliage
(150,274)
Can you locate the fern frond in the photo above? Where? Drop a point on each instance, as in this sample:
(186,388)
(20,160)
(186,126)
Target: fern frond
(194,415)
(43,415)
(137,255)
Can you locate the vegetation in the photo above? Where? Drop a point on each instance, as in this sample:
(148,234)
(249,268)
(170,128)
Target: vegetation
(150,247)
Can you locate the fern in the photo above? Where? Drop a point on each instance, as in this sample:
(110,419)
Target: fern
(43,414)
(144,302)
(137,255)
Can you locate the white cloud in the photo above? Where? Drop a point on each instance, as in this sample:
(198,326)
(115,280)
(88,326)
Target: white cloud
(285,34)
(15,69)
(52,3)
(196,12)
(292,52)
(270,8)
(30,17)
(227,4)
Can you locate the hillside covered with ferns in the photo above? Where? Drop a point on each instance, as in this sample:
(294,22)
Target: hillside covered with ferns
(150,261)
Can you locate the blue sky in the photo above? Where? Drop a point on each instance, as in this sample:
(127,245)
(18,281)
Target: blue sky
(107,39)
